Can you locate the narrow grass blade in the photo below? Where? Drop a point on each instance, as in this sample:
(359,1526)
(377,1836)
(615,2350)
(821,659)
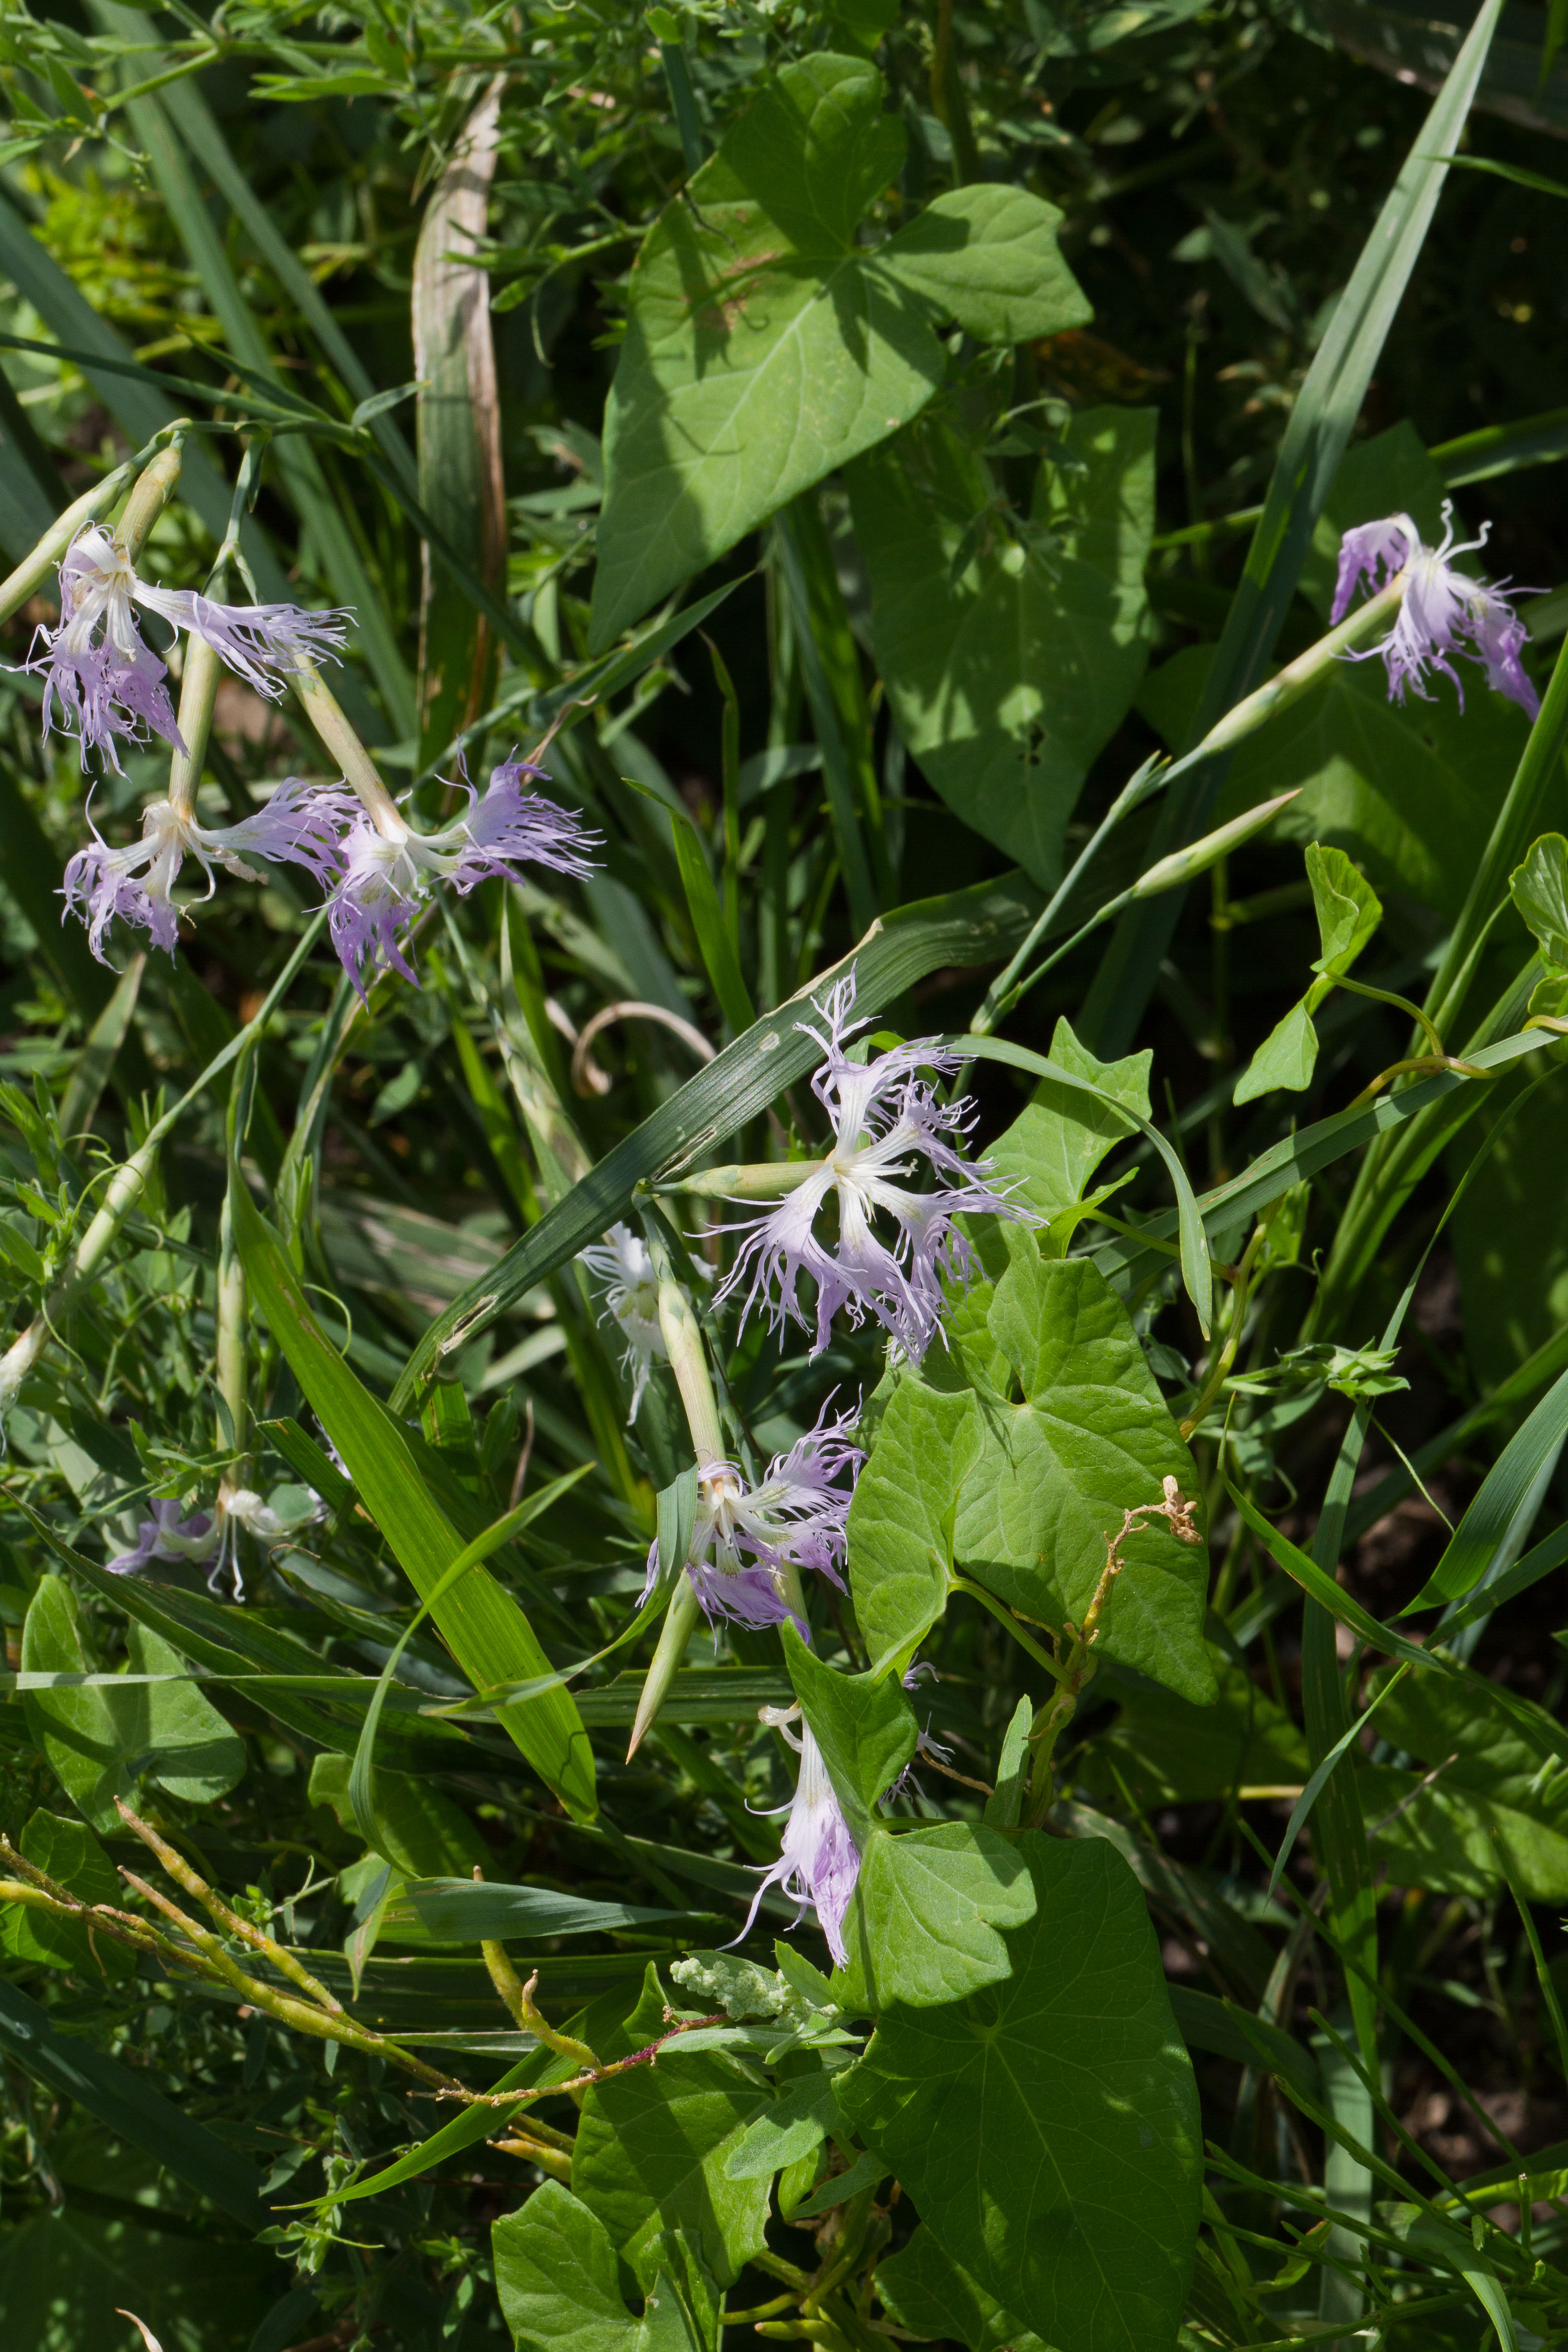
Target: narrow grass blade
(1321,1588)
(713,933)
(462,482)
(105,1039)
(1302,1155)
(1517,823)
(1493,1509)
(30,493)
(362,1778)
(1309,1796)
(137,408)
(297,462)
(838,765)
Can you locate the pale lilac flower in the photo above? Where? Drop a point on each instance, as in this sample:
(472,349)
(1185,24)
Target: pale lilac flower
(166,1536)
(209,1538)
(818,1860)
(1444,611)
(299,826)
(388,873)
(744,1537)
(111,686)
(886,1119)
(622,1263)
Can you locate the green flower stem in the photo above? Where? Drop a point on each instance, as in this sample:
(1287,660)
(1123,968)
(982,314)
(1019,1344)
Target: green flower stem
(36,567)
(355,764)
(1298,677)
(1254,711)
(198,697)
(1170,873)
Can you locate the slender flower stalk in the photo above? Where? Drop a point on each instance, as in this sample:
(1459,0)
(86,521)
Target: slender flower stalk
(886,1119)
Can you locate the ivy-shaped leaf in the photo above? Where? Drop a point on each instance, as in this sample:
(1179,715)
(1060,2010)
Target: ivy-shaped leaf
(765,344)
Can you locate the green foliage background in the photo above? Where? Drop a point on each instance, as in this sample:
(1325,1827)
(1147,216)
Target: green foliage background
(860,459)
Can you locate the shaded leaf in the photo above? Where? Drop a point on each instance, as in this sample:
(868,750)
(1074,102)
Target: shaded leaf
(1010,652)
(1046,2127)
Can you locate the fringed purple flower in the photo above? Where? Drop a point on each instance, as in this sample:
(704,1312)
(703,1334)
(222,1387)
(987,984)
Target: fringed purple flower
(113,688)
(1444,611)
(744,1538)
(622,1263)
(388,873)
(298,826)
(818,1860)
(886,1120)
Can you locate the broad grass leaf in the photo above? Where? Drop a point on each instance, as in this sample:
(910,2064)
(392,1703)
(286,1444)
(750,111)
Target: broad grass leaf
(1046,2127)
(1087,1435)
(1511,1487)
(1010,659)
(927,1921)
(462,480)
(471,1910)
(121,2098)
(901,1519)
(483,1625)
(428,1835)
